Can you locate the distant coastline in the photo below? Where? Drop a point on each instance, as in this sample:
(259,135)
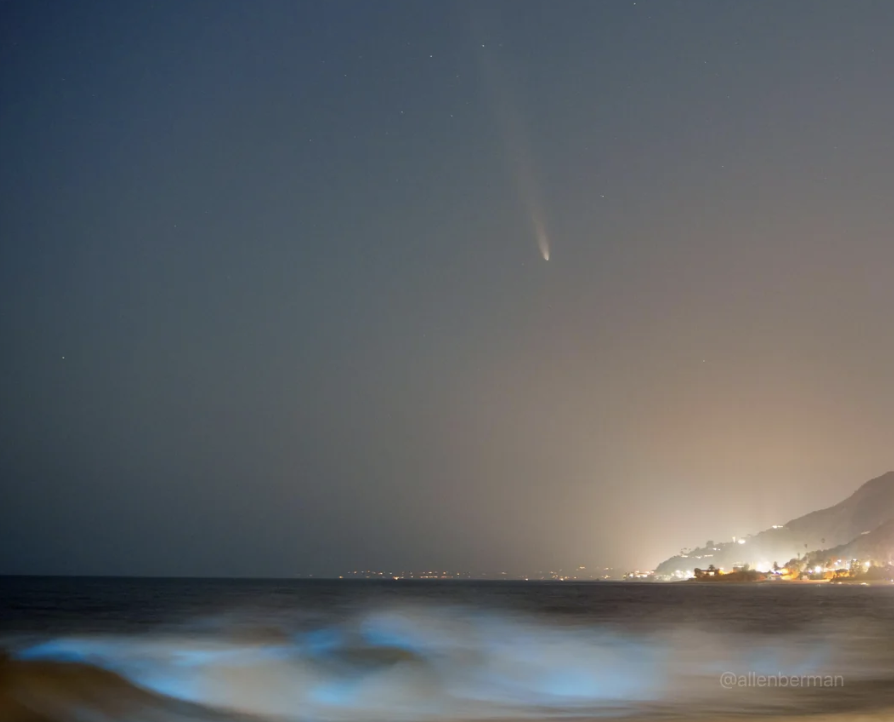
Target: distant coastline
(850,542)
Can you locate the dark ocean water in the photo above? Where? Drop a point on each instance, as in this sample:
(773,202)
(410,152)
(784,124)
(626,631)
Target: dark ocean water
(151,649)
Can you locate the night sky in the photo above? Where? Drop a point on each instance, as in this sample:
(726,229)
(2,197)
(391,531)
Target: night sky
(273,296)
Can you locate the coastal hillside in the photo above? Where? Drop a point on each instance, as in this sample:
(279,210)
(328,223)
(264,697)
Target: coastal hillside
(877,546)
(866,509)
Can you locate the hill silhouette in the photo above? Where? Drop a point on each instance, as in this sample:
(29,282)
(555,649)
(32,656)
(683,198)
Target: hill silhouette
(876,546)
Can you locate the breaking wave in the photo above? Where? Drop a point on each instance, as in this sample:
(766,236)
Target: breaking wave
(417,662)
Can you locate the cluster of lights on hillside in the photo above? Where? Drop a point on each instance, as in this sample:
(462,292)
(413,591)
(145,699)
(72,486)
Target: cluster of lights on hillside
(839,569)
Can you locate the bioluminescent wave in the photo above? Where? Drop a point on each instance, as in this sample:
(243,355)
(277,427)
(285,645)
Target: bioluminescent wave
(408,663)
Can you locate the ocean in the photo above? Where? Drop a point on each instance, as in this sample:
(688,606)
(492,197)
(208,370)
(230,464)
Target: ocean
(166,650)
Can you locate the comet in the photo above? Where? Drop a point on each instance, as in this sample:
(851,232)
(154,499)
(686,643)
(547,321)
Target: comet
(542,238)
(516,145)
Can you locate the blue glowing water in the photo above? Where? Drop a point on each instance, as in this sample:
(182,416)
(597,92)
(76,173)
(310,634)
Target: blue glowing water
(353,650)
